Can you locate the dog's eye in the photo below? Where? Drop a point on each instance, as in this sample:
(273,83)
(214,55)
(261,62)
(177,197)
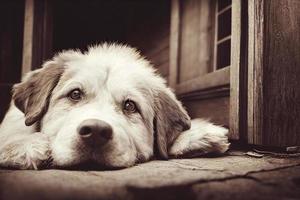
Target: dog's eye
(129,106)
(75,95)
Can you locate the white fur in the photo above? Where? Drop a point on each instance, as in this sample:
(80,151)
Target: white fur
(203,137)
(108,74)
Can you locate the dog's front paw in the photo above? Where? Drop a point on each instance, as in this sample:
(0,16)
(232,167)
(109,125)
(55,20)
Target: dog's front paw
(28,152)
(203,137)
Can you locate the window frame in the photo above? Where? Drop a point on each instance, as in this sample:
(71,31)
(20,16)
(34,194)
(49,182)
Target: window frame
(204,81)
(224,39)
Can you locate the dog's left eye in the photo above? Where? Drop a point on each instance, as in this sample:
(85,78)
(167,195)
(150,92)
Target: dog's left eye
(75,95)
(130,106)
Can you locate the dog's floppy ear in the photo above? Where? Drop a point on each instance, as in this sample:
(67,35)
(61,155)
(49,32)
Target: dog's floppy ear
(170,120)
(32,95)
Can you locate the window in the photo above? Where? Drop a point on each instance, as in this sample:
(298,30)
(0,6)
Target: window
(201,50)
(222,34)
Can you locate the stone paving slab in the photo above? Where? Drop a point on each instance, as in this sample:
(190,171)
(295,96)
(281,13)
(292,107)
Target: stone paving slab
(233,176)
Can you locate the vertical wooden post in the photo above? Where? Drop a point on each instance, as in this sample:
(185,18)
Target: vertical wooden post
(37,44)
(28,36)
(255,69)
(174,42)
(273,78)
(234,115)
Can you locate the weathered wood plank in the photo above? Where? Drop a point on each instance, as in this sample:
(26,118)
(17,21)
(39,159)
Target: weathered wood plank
(196,44)
(213,79)
(255,71)
(214,109)
(234,119)
(281,82)
(273,81)
(174,43)
(28,36)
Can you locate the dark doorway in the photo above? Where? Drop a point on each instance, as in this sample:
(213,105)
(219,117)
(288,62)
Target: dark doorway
(79,23)
(11,44)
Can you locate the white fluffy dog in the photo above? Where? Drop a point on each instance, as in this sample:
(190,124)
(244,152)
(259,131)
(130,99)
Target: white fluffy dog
(106,106)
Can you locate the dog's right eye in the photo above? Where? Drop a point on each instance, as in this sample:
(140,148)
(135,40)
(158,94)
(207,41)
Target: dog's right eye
(75,95)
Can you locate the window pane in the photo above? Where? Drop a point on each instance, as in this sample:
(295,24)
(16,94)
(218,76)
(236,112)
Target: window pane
(224,24)
(223,54)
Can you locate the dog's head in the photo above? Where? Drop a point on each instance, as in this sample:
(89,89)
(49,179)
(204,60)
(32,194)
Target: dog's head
(107,105)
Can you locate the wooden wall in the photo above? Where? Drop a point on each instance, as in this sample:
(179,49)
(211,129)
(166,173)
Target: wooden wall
(274,71)
(203,90)
(215,109)
(281,83)
(196,38)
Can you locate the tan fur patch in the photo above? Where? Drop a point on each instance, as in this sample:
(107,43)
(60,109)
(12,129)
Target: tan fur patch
(32,95)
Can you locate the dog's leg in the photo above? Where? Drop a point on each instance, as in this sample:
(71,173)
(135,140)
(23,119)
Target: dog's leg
(203,137)
(24,151)
(20,146)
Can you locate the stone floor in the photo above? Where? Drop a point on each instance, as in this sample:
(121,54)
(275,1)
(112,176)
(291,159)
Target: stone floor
(233,176)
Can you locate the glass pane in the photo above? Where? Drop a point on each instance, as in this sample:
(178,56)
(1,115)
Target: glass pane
(224,24)
(223,54)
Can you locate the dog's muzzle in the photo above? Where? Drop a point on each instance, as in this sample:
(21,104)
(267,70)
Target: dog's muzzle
(94,132)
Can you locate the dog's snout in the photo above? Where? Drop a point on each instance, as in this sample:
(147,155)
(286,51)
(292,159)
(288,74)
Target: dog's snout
(95,131)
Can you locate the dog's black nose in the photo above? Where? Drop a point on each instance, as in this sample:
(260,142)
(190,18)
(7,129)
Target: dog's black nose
(95,131)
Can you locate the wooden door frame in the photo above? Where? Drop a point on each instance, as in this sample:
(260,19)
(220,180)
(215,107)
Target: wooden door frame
(37,40)
(273,73)
(255,71)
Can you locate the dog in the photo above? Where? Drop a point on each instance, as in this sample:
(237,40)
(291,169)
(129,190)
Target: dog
(106,106)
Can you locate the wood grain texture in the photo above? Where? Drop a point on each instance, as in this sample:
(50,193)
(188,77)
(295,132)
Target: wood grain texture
(281,81)
(174,43)
(191,53)
(210,80)
(191,43)
(243,74)
(214,109)
(274,60)
(28,36)
(234,112)
(196,38)
(255,71)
